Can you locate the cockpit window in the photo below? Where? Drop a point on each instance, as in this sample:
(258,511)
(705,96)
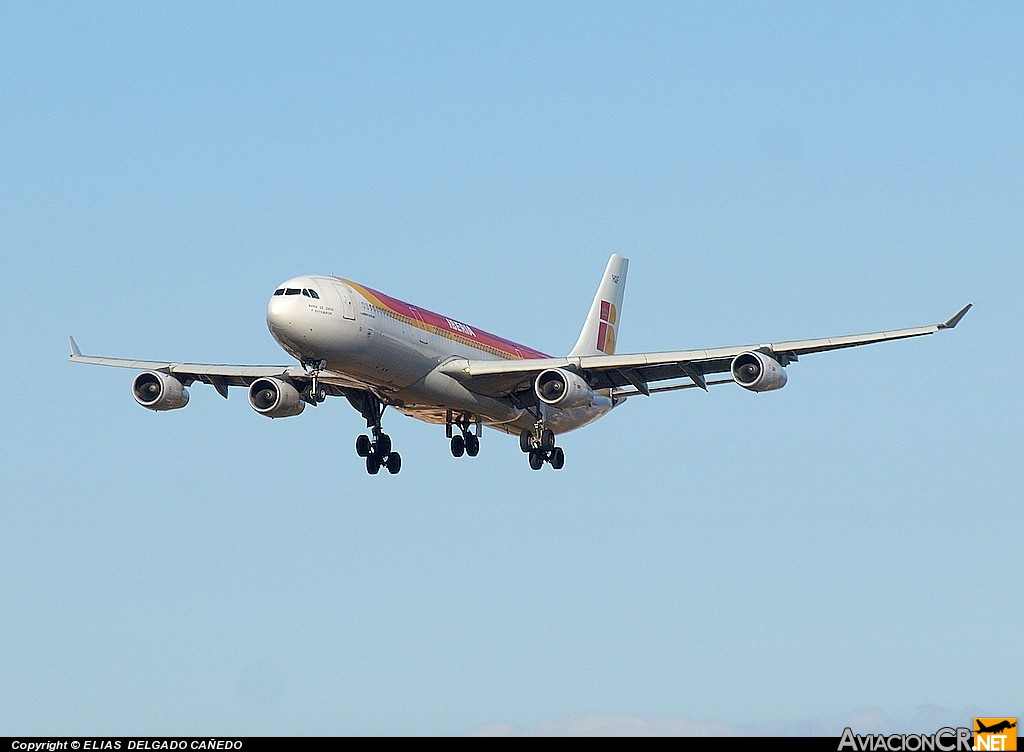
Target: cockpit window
(296,291)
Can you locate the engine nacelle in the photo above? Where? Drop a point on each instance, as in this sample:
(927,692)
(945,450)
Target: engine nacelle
(561,388)
(155,390)
(758,372)
(275,398)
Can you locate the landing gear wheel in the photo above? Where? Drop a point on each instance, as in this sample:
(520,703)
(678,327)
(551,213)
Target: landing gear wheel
(472,445)
(458,445)
(547,440)
(526,441)
(557,458)
(383,445)
(372,464)
(536,460)
(394,463)
(321,395)
(363,445)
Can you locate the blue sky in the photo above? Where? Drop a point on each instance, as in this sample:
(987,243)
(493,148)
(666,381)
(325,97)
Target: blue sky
(847,548)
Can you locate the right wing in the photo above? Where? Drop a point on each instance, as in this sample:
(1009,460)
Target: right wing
(220,376)
(632,374)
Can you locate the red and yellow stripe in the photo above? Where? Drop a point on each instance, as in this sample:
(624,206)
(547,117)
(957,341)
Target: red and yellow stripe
(442,326)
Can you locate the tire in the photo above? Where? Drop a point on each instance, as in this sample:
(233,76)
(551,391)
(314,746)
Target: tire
(363,445)
(383,445)
(536,460)
(472,445)
(394,463)
(321,395)
(526,441)
(557,458)
(547,439)
(372,464)
(458,445)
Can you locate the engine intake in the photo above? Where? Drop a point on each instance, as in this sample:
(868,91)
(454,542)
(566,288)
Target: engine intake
(275,398)
(155,390)
(561,388)
(758,372)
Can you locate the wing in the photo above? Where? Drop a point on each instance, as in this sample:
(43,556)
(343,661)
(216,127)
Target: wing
(633,374)
(220,376)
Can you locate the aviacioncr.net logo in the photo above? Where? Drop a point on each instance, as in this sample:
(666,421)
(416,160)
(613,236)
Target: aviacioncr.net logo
(998,734)
(946,739)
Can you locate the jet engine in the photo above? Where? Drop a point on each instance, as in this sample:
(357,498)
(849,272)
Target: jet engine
(758,372)
(561,388)
(155,390)
(275,398)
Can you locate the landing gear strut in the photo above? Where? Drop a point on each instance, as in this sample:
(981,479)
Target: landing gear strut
(377,450)
(540,445)
(467,441)
(316,393)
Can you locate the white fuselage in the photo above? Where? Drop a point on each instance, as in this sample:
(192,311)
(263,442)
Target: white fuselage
(393,349)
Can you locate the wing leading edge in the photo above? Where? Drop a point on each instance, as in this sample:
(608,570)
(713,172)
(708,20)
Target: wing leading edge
(634,372)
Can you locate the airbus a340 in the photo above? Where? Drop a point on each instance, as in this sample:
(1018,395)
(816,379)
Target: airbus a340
(376,351)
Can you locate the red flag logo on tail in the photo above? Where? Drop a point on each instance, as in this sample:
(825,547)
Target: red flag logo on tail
(606,329)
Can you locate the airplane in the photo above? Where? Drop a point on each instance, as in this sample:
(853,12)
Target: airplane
(995,728)
(377,352)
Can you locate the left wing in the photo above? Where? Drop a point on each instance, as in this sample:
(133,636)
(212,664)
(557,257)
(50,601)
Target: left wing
(633,374)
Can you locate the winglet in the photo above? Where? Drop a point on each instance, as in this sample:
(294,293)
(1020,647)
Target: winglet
(75,352)
(956,318)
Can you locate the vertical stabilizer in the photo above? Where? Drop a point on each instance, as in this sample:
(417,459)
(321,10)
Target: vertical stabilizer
(602,324)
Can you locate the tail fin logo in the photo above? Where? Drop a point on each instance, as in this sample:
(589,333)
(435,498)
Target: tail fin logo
(606,329)
(995,734)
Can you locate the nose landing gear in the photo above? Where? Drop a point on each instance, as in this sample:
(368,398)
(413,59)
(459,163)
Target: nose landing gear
(316,393)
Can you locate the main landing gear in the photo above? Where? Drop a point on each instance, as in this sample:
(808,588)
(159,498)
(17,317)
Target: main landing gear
(540,445)
(467,441)
(377,451)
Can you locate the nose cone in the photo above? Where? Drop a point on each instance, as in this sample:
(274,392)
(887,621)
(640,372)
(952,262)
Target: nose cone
(285,316)
(277,313)
(309,319)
